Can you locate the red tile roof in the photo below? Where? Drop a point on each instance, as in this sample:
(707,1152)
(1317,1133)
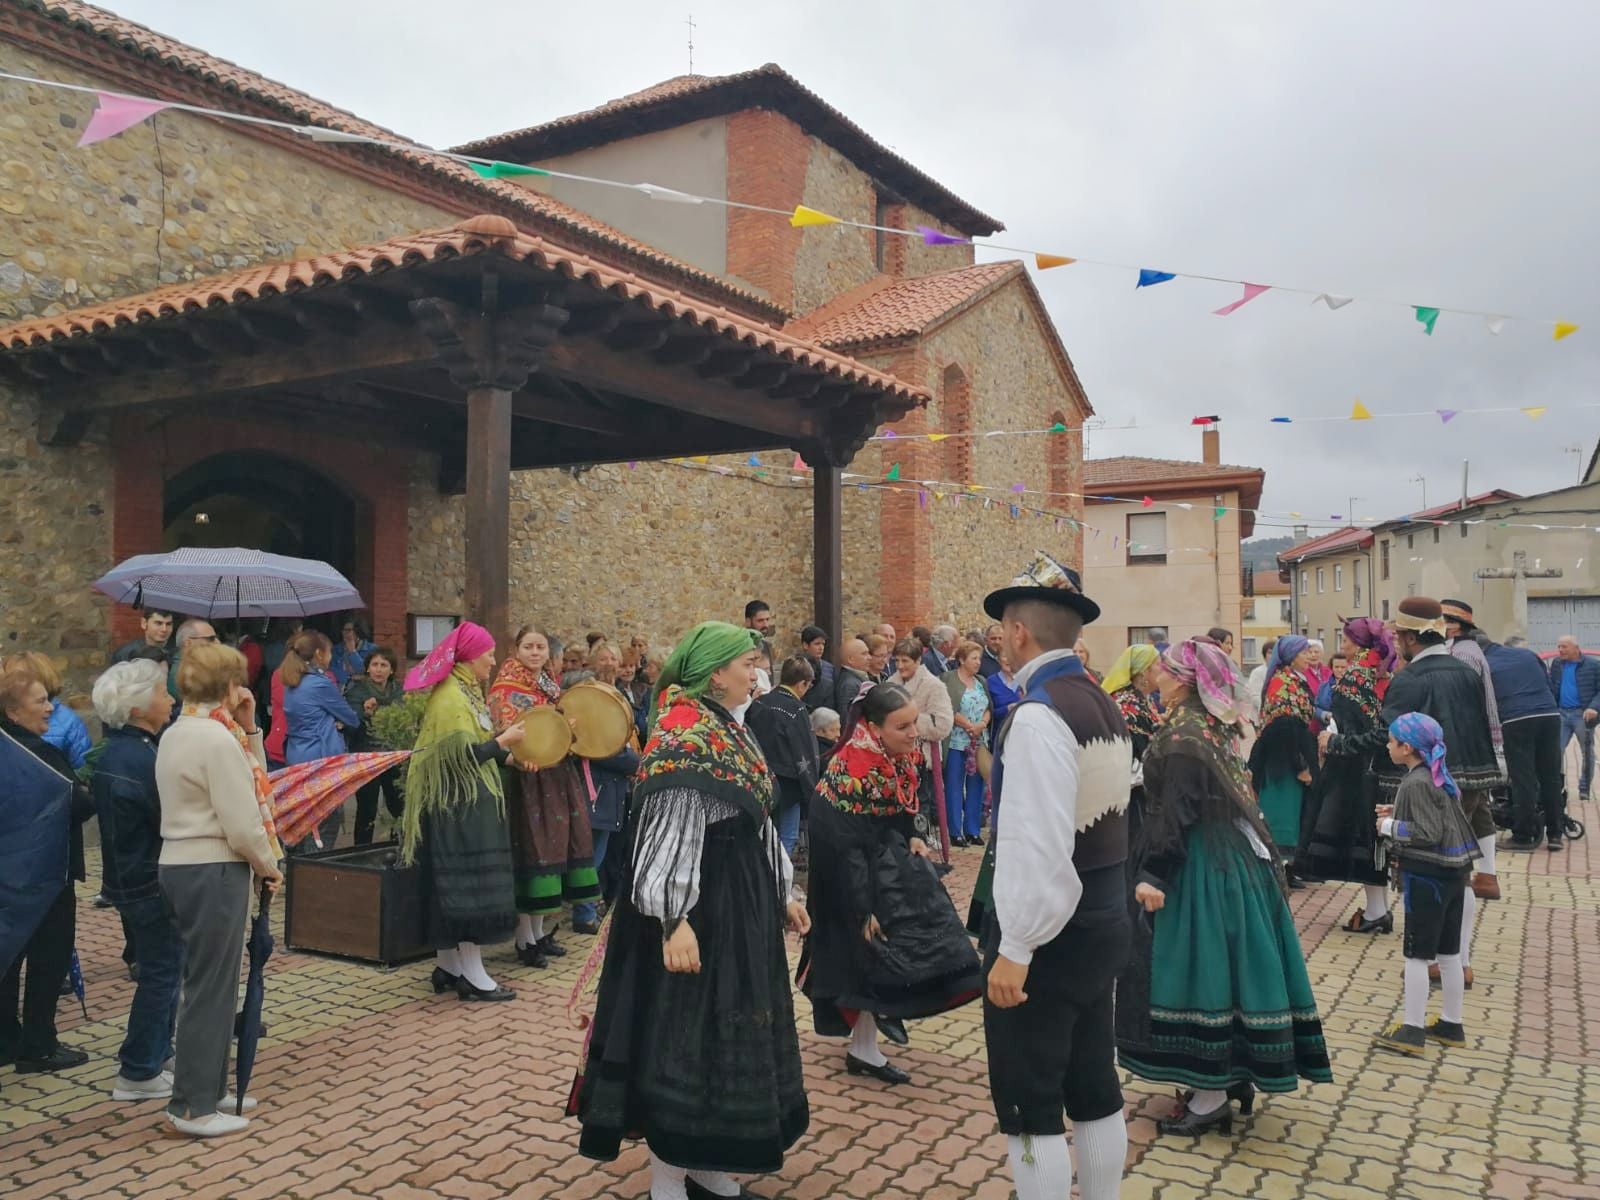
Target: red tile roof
(1132,477)
(479,235)
(1455,506)
(677,101)
(888,309)
(443,174)
(1349,538)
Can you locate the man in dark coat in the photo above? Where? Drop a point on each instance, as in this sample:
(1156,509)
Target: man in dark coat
(855,669)
(781,722)
(814,644)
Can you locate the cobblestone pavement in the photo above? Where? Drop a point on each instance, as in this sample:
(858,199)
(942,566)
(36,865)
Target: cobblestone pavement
(371,1087)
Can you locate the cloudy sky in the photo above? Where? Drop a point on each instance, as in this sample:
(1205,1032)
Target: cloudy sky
(1416,153)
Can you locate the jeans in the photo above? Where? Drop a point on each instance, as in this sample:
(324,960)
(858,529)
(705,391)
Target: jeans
(1573,726)
(584,911)
(963,795)
(153,1017)
(789,828)
(48,955)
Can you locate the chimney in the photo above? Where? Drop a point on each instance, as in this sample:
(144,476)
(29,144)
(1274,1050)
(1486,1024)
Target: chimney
(1210,445)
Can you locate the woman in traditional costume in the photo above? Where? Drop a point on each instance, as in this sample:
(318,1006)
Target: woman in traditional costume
(1217,998)
(693,1044)
(1339,820)
(885,939)
(454,821)
(552,844)
(1131,682)
(1283,761)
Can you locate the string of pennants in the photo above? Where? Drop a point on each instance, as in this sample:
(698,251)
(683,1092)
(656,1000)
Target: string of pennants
(117,112)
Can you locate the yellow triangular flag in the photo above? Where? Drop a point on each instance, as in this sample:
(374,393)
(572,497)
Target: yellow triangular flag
(1535,412)
(937,437)
(1563,328)
(1360,413)
(1045,261)
(804,216)
(701,458)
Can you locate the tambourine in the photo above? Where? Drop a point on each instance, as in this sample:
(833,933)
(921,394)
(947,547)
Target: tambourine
(602,718)
(546,739)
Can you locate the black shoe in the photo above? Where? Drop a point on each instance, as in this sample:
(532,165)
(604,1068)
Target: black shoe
(63,1058)
(1520,844)
(695,1191)
(100,901)
(548,944)
(1192,1125)
(443,981)
(1555,843)
(1446,1033)
(1402,1039)
(133,971)
(958,843)
(587,928)
(1245,1094)
(889,1073)
(532,955)
(1358,923)
(894,1029)
(974,840)
(465,991)
(941,869)
(1296,884)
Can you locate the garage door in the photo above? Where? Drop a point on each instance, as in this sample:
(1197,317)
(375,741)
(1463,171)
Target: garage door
(1549,617)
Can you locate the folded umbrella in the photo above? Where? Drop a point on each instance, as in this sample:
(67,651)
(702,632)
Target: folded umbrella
(302,795)
(248,1025)
(75,977)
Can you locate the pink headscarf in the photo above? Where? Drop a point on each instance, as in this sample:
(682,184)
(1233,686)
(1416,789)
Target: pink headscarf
(1205,667)
(466,642)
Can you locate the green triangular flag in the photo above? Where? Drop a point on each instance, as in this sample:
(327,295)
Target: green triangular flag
(1428,317)
(1058,427)
(894,473)
(1217,514)
(504,170)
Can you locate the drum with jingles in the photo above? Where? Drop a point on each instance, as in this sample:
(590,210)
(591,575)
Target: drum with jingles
(601,717)
(547,737)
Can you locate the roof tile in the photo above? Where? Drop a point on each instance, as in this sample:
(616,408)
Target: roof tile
(906,307)
(1126,470)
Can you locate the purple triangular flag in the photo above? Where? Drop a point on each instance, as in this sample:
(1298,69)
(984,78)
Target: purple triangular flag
(1445,415)
(932,237)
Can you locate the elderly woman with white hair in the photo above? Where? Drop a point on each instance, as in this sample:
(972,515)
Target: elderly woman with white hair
(133,704)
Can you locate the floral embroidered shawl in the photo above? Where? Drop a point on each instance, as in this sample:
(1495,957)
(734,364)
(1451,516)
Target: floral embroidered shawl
(516,689)
(697,744)
(863,779)
(1288,695)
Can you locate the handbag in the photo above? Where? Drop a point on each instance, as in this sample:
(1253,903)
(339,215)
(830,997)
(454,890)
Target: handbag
(985,761)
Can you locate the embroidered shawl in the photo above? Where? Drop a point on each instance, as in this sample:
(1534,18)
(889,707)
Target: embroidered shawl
(1288,695)
(1362,685)
(1138,713)
(516,689)
(697,744)
(442,773)
(864,780)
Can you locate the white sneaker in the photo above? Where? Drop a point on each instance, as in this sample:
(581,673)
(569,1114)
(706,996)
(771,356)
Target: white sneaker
(158,1087)
(215,1124)
(226,1104)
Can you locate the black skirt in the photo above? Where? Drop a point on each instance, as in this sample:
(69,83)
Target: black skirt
(925,964)
(1339,823)
(465,861)
(704,1067)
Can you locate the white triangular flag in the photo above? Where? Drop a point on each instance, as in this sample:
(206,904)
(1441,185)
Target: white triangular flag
(318,133)
(657,192)
(1333,301)
(1494,324)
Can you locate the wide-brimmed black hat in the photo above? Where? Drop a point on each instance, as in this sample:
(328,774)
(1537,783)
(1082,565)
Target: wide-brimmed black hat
(1044,579)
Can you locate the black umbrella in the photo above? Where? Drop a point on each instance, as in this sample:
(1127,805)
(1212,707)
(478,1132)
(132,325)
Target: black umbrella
(248,1026)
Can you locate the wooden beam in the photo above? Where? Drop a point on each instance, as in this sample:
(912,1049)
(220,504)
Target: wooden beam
(827,555)
(594,319)
(61,426)
(727,364)
(272,327)
(570,414)
(640,335)
(764,375)
(488,532)
(222,337)
(686,351)
(798,387)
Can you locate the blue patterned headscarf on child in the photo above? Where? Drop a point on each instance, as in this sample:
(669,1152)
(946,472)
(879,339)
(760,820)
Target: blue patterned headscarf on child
(1422,734)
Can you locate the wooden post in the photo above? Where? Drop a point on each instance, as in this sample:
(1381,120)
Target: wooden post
(828,554)
(488,544)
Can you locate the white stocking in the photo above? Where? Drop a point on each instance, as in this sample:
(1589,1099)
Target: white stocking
(472,967)
(716,1182)
(1041,1168)
(1453,984)
(1377,901)
(1417,991)
(538,928)
(864,1040)
(525,936)
(1469,910)
(666,1181)
(1102,1151)
(1486,847)
(448,961)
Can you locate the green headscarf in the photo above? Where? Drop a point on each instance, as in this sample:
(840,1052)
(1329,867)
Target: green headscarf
(442,773)
(708,647)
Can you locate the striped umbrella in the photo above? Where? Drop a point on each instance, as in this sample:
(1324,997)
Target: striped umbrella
(302,795)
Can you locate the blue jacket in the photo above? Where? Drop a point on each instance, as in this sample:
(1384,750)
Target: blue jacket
(347,664)
(611,779)
(129,808)
(311,710)
(1588,669)
(68,734)
(1521,686)
(1003,696)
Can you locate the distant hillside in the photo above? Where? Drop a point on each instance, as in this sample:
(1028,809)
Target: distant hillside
(1262,553)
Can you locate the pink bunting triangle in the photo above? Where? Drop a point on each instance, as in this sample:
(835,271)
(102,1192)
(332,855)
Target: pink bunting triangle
(113,114)
(799,464)
(1251,291)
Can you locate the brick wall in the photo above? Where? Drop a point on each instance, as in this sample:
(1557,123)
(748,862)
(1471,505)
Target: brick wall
(767,156)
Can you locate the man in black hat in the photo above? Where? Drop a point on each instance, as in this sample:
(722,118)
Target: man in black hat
(1057,931)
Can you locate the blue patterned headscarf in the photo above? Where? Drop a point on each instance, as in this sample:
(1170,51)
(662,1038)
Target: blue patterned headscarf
(1422,734)
(1287,649)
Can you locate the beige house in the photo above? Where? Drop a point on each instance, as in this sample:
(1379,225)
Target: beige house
(1263,617)
(1160,554)
(1330,578)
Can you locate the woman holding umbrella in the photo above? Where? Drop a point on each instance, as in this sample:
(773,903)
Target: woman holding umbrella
(454,821)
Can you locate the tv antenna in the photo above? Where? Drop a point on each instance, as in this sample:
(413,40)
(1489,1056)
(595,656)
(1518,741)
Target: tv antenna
(690,24)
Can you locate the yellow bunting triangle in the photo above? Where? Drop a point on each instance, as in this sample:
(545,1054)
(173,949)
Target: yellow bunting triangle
(1045,261)
(701,458)
(804,216)
(1563,328)
(1360,413)
(1535,412)
(937,437)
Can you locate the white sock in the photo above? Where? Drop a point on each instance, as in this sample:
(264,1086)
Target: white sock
(1454,986)
(1206,1101)
(666,1181)
(1417,992)
(1102,1151)
(718,1183)
(448,961)
(472,967)
(538,928)
(1469,910)
(1377,900)
(1486,845)
(864,1040)
(525,936)
(1041,1168)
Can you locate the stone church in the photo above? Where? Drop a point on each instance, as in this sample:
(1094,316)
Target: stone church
(217,333)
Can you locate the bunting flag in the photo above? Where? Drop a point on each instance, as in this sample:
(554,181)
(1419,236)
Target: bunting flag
(753,461)
(804,217)
(1058,427)
(1045,261)
(320,133)
(114,114)
(932,237)
(505,170)
(1282,420)
(799,463)
(1333,302)
(1019,487)
(1494,324)
(937,437)
(1251,291)
(1446,415)
(1205,420)
(1535,412)
(1149,278)
(1146,502)
(922,499)
(701,458)
(1563,329)
(1427,317)
(1218,512)
(671,195)
(894,473)
(1360,413)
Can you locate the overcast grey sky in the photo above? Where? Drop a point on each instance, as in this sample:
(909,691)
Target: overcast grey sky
(1413,153)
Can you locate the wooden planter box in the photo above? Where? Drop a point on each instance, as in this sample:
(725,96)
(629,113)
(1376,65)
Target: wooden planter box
(355,903)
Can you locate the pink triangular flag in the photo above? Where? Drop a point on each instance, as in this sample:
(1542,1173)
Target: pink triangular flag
(799,464)
(1251,291)
(114,113)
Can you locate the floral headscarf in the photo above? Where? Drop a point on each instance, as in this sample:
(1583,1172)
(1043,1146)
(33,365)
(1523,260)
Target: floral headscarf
(862,777)
(1423,734)
(1202,664)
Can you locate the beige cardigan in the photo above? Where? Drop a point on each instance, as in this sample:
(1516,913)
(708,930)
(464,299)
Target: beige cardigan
(935,717)
(209,810)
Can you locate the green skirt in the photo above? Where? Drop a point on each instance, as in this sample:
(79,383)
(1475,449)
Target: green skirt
(1230,999)
(1281,801)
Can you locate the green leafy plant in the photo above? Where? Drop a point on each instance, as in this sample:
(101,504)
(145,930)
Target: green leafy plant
(397,725)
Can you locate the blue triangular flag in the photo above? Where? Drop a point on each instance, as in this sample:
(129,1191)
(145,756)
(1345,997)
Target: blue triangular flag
(1281,420)
(1149,278)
